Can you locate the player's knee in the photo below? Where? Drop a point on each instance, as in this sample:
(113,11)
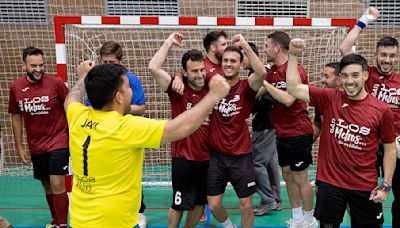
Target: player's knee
(214,205)
(287,174)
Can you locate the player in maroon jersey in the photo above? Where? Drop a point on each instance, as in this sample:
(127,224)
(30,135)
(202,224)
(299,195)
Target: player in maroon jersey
(384,84)
(354,124)
(293,129)
(190,155)
(229,138)
(37,99)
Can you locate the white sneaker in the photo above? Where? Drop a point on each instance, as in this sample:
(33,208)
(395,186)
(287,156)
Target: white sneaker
(292,224)
(313,224)
(142,220)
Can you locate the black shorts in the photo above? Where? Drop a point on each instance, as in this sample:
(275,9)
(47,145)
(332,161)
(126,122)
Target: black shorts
(332,201)
(55,162)
(295,152)
(189,183)
(239,170)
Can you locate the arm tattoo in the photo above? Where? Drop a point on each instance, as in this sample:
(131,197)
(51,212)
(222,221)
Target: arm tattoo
(77,93)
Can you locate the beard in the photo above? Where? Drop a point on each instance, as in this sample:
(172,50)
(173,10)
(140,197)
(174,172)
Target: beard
(387,72)
(32,76)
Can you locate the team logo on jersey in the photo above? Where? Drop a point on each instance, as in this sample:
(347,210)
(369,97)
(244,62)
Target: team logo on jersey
(35,106)
(348,134)
(280,85)
(344,105)
(387,95)
(212,69)
(228,108)
(25,89)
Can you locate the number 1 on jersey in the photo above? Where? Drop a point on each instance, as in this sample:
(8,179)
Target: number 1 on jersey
(85,147)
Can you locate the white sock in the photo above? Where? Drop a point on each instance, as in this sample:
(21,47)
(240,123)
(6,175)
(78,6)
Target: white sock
(227,223)
(309,216)
(297,214)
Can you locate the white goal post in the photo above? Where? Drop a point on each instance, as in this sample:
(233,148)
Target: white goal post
(79,37)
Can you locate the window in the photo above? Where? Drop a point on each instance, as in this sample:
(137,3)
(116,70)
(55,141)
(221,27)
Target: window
(272,8)
(390,13)
(143,7)
(23,11)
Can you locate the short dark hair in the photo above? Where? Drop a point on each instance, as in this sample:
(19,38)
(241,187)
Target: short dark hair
(354,59)
(387,42)
(282,38)
(31,51)
(194,55)
(103,82)
(335,66)
(211,37)
(111,48)
(254,48)
(235,49)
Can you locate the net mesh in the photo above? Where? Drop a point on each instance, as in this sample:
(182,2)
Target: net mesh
(17,35)
(140,44)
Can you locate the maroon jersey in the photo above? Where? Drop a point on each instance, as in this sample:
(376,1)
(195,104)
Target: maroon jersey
(229,133)
(350,134)
(289,121)
(386,89)
(195,146)
(41,106)
(212,68)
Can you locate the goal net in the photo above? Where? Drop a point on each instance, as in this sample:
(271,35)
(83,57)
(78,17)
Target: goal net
(140,43)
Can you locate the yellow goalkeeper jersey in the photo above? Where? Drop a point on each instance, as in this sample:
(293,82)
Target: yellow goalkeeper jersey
(107,157)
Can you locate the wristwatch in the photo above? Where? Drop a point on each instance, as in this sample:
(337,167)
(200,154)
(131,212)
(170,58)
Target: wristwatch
(385,187)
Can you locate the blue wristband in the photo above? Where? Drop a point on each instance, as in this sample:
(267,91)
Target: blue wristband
(360,24)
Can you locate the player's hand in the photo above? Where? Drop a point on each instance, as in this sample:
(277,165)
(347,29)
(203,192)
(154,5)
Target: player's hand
(297,46)
(378,196)
(238,40)
(372,13)
(23,155)
(219,86)
(84,68)
(177,84)
(176,39)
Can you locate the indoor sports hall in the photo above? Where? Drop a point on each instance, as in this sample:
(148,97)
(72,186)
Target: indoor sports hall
(70,31)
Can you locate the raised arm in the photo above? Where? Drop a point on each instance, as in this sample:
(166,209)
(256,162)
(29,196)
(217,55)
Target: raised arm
(256,79)
(155,65)
(293,82)
(370,15)
(78,90)
(190,120)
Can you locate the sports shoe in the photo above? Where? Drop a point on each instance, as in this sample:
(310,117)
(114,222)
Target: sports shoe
(292,224)
(4,223)
(142,220)
(313,224)
(51,226)
(262,209)
(278,206)
(203,217)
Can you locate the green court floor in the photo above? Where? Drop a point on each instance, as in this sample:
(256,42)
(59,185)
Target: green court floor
(23,203)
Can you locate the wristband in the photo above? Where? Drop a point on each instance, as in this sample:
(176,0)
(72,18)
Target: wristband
(360,25)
